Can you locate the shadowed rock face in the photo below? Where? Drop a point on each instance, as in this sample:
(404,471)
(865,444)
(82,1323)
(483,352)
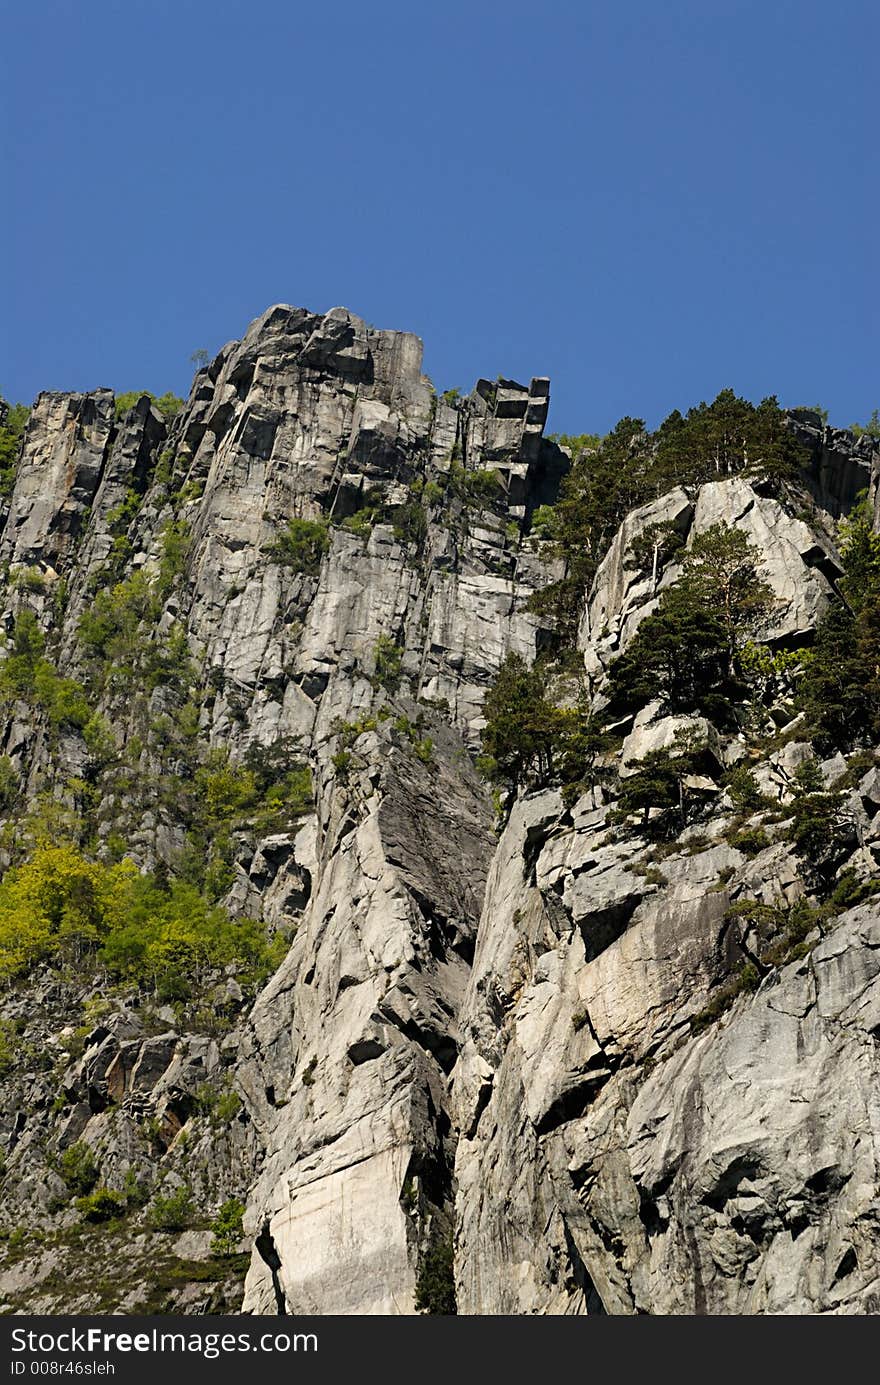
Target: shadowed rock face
(484,1033)
(727,1173)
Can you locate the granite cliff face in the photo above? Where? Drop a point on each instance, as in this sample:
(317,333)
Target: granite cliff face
(491,1033)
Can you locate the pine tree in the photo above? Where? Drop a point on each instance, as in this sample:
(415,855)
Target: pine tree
(722,573)
(840,692)
(688,652)
(521,724)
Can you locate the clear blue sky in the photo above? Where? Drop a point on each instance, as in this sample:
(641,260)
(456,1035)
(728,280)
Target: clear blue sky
(647,200)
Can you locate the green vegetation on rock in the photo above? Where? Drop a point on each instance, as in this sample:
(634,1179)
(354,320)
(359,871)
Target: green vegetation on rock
(173,1211)
(11,432)
(689,652)
(61,908)
(168,404)
(630,466)
(27,675)
(528,737)
(435,1283)
(841,695)
(301,546)
(227,1228)
(79,1168)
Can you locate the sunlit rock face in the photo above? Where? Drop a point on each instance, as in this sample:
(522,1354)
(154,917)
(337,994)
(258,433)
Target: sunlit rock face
(486,1033)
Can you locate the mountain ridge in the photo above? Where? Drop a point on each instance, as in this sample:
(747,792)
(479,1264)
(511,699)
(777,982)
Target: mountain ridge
(475,1074)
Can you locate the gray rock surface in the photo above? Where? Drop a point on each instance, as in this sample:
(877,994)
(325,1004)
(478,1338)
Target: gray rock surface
(513,1034)
(727,1175)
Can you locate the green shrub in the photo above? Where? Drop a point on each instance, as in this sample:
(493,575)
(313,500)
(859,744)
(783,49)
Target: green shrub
(220,1106)
(136,1191)
(774,675)
(8,783)
(746,980)
(483,484)
(435,1282)
(291,796)
(349,731)
(424,750)
(102,1205)
(99,739)
(856,768)
(174,1212)
(576,443)
(227,792)
(227,1228)
(872,427)
(54,904)
(78,1167)
(750,840)
(342,762)
(227,1107)
(169,404)
(164,936)
(121,516)
(422,746)
(28,676)
(193,490)
(8,1047)
(743,788)
(119,631)
(543,524)
(63,699)
(388,658)
(724,878)
(785,925)
(361,522)
(283,782)
(850,890)
(302,546)
(410,523)
(164,468)
(175,538)
(30,579)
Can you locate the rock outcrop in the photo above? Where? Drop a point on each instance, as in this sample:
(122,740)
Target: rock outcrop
(660,1172)
(494,1036)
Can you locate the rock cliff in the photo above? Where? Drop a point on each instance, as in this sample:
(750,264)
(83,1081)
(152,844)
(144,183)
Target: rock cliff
(493,1049)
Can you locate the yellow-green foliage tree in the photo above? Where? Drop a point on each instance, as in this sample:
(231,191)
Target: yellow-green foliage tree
(58,903)
(63,908)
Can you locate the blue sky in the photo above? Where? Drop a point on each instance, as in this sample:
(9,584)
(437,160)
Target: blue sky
(647,201)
